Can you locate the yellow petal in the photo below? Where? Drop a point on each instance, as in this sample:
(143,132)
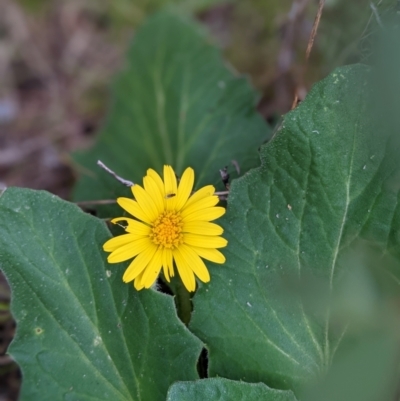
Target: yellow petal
(133,226)
(117,242)
(138,282)
(196,264)
(165,264)
(204,192)
(170,187)
(133,208)
(128,251)
(202,227)
(152,270)
(184,271)
(145,202)
(139,263)
(170,262)
(213,255)
(156,195)
(157,179)
(185,188)
(204,203)
(203,241)
(209,214)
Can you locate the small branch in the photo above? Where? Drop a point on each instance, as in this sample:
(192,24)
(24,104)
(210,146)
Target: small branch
(117,177)
(369,21)
(314,29)
(376,14)
(310,44)
(221,194)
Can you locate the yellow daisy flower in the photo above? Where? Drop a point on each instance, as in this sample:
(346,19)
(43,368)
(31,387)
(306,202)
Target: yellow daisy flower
(170,225)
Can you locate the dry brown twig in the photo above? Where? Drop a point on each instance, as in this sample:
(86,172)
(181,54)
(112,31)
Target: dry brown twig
(314,29)
(221,194)
(310,44)
(117,177)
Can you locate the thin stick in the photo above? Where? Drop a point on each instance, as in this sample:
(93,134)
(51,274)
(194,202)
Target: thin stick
(221,194)
(311,42)
(369,21)
(117,177)
(376,14)
(314,29)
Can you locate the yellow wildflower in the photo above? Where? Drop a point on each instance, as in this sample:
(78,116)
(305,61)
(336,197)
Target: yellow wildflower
(171,224)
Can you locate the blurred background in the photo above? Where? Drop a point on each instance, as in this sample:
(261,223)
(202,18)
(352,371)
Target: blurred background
(58,57)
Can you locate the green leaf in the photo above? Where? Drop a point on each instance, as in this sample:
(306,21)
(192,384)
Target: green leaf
(225,390)
(368,370)
(175,102)
(328,181)
(82,333)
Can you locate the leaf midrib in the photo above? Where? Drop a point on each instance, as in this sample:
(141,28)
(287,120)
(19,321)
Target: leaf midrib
(327,351)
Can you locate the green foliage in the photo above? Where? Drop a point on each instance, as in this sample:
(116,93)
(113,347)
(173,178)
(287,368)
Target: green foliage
(366,371)
(131,12)
(174,103)
(305,305)
(325,185)
(226,390)
(82,333)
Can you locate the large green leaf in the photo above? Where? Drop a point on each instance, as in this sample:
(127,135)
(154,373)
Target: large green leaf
(226,390)
(366,371)
(175,102)
(82,333)
(329,180)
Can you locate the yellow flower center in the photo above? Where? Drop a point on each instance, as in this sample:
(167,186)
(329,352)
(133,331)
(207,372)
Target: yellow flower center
(167,230)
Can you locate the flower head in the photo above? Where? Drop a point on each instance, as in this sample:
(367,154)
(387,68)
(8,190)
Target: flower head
(171,225)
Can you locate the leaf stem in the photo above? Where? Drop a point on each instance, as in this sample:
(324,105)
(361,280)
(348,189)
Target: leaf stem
(183,302)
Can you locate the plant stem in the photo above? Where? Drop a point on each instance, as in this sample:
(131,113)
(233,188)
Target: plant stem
(183,302)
